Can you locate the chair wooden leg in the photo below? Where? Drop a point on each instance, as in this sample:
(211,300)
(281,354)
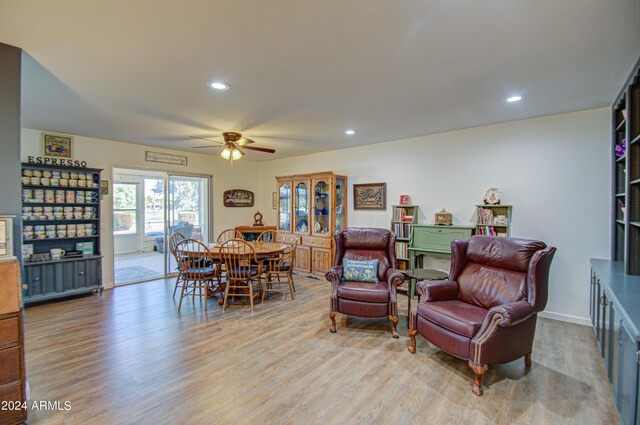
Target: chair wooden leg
(251,294)
(412,335)
(203,294)
(181,295)
(478,370)
(226,295)
(332,316)
(175,288)
(267,277)
(527,360)
(394,322)
(291,289)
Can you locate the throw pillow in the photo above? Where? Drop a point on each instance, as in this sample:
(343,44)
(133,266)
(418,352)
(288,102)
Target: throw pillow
(360,271)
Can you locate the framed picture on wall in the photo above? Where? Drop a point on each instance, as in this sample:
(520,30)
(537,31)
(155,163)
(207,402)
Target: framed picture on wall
(370,196)
(56,145)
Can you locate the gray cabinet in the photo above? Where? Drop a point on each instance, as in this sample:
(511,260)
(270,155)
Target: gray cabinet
(61,211)
(55,279)
(615,296)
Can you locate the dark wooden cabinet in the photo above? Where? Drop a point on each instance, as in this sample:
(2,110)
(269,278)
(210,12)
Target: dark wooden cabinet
(12,374)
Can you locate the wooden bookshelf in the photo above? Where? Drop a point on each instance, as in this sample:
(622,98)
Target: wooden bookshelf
(493,220)
(402,218)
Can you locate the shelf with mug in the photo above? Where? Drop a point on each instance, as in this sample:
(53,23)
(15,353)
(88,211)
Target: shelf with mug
(63,259)
(53,220)
(31,186)
(60,239)
(59,203)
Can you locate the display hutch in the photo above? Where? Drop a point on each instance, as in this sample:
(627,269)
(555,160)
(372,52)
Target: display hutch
(402,217)
(615,284)
(311,208)
(493,220)
(61,231)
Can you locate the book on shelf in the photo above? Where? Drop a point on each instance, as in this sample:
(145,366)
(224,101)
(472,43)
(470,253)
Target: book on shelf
(485,215)
(402,230)
(408,218)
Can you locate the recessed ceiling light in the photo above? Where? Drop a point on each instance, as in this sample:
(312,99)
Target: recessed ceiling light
(218,85)
(350,132)
(515,99)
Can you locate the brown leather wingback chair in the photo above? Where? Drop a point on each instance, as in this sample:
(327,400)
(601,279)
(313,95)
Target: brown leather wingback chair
(486,312)
(365,299)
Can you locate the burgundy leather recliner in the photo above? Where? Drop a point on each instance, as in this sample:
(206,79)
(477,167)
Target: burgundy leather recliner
(486,312)
(365,299)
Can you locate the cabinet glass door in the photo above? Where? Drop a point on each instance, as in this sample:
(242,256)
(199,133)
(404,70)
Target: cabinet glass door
(321,207)
(302,208)
(341,205)
(284,207)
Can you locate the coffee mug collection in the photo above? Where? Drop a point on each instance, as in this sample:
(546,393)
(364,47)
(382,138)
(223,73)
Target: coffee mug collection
(58,178)
(53,231)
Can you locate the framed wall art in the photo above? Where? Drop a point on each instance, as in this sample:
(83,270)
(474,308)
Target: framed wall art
(238,198)
(370,196)
(56,145)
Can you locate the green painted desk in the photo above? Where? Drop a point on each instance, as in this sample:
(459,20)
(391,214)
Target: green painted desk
(427,239)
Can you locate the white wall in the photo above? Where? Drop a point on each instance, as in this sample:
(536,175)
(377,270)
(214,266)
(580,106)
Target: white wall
(554,170)
(107,154)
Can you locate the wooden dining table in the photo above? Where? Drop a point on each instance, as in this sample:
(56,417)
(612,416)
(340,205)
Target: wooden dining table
(262,250)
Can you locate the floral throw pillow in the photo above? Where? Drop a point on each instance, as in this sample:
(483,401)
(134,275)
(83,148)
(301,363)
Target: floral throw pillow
(360,271)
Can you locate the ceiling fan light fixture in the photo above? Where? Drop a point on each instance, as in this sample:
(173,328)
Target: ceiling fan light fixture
(226,153)
(218,85)
(236,154)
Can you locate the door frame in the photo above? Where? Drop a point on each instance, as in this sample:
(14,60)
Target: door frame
(166,175)
(209,192)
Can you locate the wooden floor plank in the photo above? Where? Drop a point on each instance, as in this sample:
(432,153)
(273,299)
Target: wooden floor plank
(128,357)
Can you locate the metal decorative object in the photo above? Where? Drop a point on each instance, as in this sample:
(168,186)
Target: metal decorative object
(443,218)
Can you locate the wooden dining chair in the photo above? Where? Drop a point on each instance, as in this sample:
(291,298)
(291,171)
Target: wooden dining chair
(270,236)
(198,276)
(244,270)
(174,240)
(280,267)
(227,235)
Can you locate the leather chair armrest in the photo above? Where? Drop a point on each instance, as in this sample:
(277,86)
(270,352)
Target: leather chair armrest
(393,277)
(437,290)
(334,274)
(508,315)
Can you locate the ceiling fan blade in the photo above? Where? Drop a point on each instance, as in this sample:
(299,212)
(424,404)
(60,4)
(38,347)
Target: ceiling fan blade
(244,141)
(205,147)
(208,140)
(254,148)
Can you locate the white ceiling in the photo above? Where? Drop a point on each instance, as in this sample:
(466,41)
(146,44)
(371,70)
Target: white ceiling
(302,71)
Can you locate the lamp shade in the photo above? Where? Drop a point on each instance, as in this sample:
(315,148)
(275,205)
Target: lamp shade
(236,154)
(226,153)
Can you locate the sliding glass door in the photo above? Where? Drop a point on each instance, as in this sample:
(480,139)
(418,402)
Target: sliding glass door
(187,210)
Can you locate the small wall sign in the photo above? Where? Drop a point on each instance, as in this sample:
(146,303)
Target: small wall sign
(165,158)
(238,198)
(56,145)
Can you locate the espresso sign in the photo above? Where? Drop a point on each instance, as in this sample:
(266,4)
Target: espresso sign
(38,160)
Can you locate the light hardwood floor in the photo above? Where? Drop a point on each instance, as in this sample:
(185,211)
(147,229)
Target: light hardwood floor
(127,357)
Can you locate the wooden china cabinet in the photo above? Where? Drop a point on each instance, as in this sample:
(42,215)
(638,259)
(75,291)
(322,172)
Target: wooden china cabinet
(311,208)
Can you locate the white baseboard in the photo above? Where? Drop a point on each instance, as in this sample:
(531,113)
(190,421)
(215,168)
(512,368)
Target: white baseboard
(565,318)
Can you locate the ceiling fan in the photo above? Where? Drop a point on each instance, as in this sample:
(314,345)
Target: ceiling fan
(232,143)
